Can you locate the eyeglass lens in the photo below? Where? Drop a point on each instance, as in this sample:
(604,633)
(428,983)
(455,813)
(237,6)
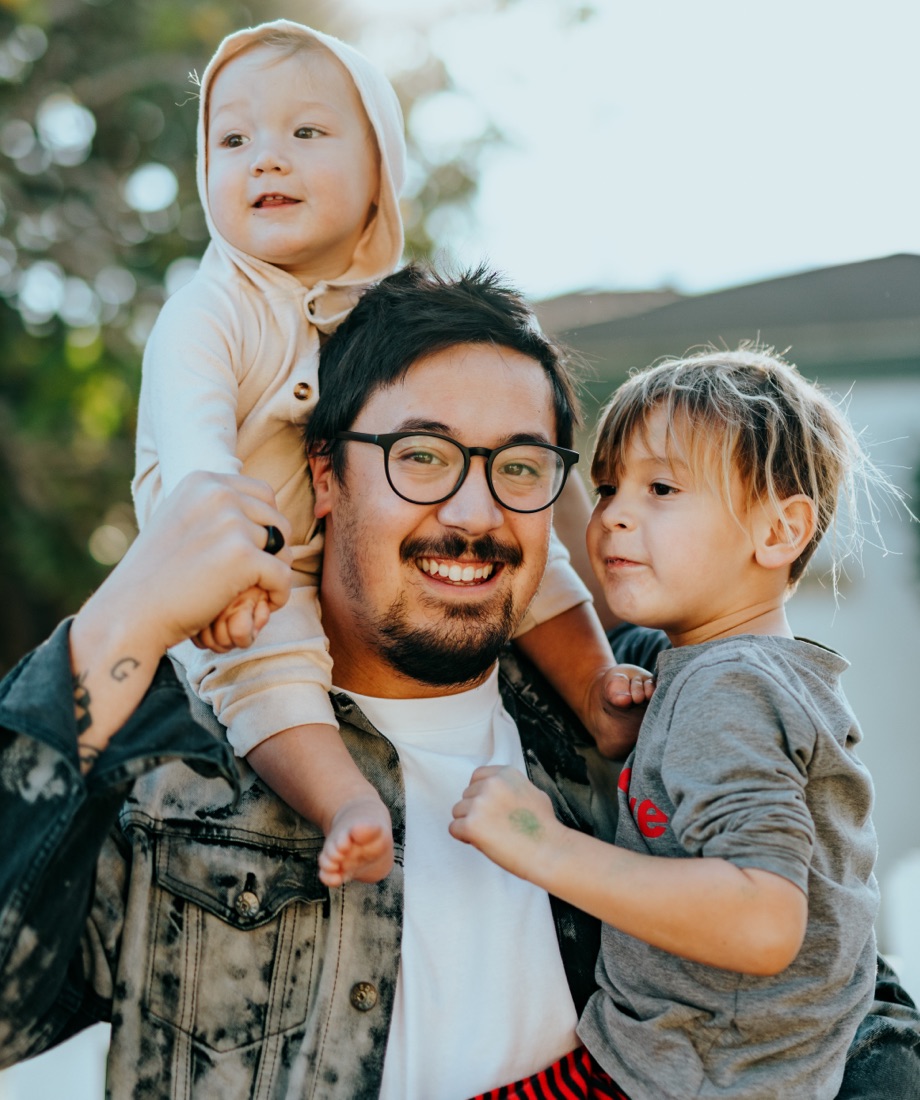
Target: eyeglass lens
(425,468)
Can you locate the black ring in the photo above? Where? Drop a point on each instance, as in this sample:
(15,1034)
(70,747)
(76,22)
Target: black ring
(275,540)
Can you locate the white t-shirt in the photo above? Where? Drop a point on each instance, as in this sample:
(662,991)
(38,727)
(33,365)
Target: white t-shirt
(482,998)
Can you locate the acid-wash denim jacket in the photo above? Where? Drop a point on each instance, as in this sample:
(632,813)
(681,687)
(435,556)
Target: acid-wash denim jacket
(171,893)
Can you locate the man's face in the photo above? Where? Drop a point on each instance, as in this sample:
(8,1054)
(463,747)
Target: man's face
(418,599)
(292,164)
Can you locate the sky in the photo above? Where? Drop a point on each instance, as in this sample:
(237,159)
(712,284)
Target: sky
(667,143)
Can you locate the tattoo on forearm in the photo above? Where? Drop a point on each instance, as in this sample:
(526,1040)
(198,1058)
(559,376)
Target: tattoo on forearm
(81,703)
(123,668)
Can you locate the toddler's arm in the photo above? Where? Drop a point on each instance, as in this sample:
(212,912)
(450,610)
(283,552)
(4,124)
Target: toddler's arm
(707,910)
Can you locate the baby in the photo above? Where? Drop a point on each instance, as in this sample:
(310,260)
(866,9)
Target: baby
(301,158)
(738,953)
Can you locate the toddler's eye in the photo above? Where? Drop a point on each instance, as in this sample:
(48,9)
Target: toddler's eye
(306,132)
(659,489)
(605,491)
(232,141)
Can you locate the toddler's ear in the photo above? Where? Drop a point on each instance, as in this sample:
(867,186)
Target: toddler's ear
(781,536)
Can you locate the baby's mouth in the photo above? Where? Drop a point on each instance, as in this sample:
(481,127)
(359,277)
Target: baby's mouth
(274,199)
(457,572)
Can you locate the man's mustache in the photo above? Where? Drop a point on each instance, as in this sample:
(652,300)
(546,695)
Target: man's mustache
(486,548)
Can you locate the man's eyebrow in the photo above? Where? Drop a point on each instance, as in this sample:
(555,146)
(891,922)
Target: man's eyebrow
(418,424)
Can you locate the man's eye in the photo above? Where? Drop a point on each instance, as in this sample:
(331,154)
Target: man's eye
(605,491)
(306,132)
(519,470)
(421,458)
(416,456)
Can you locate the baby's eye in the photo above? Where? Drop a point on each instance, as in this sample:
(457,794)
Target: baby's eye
(232,141)
(659,489)
(307,132)
(605,491)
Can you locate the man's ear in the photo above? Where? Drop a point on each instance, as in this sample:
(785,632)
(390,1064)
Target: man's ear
(321,471)
(781,536)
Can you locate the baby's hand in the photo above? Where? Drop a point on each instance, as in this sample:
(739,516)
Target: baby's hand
(238,624)
(506,817)
(617,706)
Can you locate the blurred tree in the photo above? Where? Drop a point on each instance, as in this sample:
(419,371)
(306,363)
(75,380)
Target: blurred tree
(99,219)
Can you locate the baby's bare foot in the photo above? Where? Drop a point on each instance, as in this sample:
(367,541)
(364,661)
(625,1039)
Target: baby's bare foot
(359,844)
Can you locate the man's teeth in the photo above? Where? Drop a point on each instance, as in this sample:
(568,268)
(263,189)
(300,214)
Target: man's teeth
(457,572)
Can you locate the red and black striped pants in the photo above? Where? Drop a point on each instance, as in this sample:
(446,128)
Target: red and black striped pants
(577,1076)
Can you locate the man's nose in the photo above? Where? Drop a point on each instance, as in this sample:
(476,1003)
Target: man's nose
(472,508)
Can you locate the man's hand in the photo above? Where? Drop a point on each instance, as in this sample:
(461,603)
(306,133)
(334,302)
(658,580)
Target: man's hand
(201,549)
(508,819)
(616,706)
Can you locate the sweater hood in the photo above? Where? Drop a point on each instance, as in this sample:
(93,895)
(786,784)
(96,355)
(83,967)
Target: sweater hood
(380,249)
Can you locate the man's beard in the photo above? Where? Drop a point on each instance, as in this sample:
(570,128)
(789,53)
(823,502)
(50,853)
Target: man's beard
(467,641)
(456,652)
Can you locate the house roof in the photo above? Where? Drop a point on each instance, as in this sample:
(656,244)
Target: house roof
(850,320)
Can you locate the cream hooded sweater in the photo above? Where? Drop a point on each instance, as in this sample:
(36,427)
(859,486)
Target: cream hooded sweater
(229,379)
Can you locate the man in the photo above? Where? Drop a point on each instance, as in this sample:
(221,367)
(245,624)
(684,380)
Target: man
(197,922)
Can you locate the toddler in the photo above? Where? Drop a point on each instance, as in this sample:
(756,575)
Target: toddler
(738,953)
(301,157)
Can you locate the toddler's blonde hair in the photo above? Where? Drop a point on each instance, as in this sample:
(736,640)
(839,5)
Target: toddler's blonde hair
(748,412)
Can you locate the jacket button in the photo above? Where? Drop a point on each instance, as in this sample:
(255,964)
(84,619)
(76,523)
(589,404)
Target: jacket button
(303,391)
(363,996)
(247,904)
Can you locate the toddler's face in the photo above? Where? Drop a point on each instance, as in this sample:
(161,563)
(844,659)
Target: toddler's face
(292,165)
(665,546)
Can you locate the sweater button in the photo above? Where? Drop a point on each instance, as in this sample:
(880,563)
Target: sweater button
(311,307)
(247,904)
(363,996)
(303,391)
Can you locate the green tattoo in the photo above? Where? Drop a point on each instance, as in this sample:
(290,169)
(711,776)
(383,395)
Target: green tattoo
(525,822)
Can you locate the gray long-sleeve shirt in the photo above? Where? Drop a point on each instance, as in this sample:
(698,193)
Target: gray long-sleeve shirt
(747,753)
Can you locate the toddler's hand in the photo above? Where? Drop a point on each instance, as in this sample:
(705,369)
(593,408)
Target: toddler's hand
(507,818)
(617,706)
(238,625)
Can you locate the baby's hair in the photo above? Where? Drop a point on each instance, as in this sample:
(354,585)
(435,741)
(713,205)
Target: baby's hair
(286,43)
(750,412)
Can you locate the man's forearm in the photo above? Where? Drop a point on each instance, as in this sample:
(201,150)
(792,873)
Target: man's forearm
(112,667)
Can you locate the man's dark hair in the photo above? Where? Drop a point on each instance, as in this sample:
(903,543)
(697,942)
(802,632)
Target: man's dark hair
(416,313)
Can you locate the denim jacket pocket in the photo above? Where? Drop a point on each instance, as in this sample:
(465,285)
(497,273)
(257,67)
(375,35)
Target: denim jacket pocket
(235,932)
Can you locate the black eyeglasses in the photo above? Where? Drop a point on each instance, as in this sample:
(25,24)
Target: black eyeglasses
(427,468)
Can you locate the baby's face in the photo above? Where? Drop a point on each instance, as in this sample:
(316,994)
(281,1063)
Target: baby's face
(292,164)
